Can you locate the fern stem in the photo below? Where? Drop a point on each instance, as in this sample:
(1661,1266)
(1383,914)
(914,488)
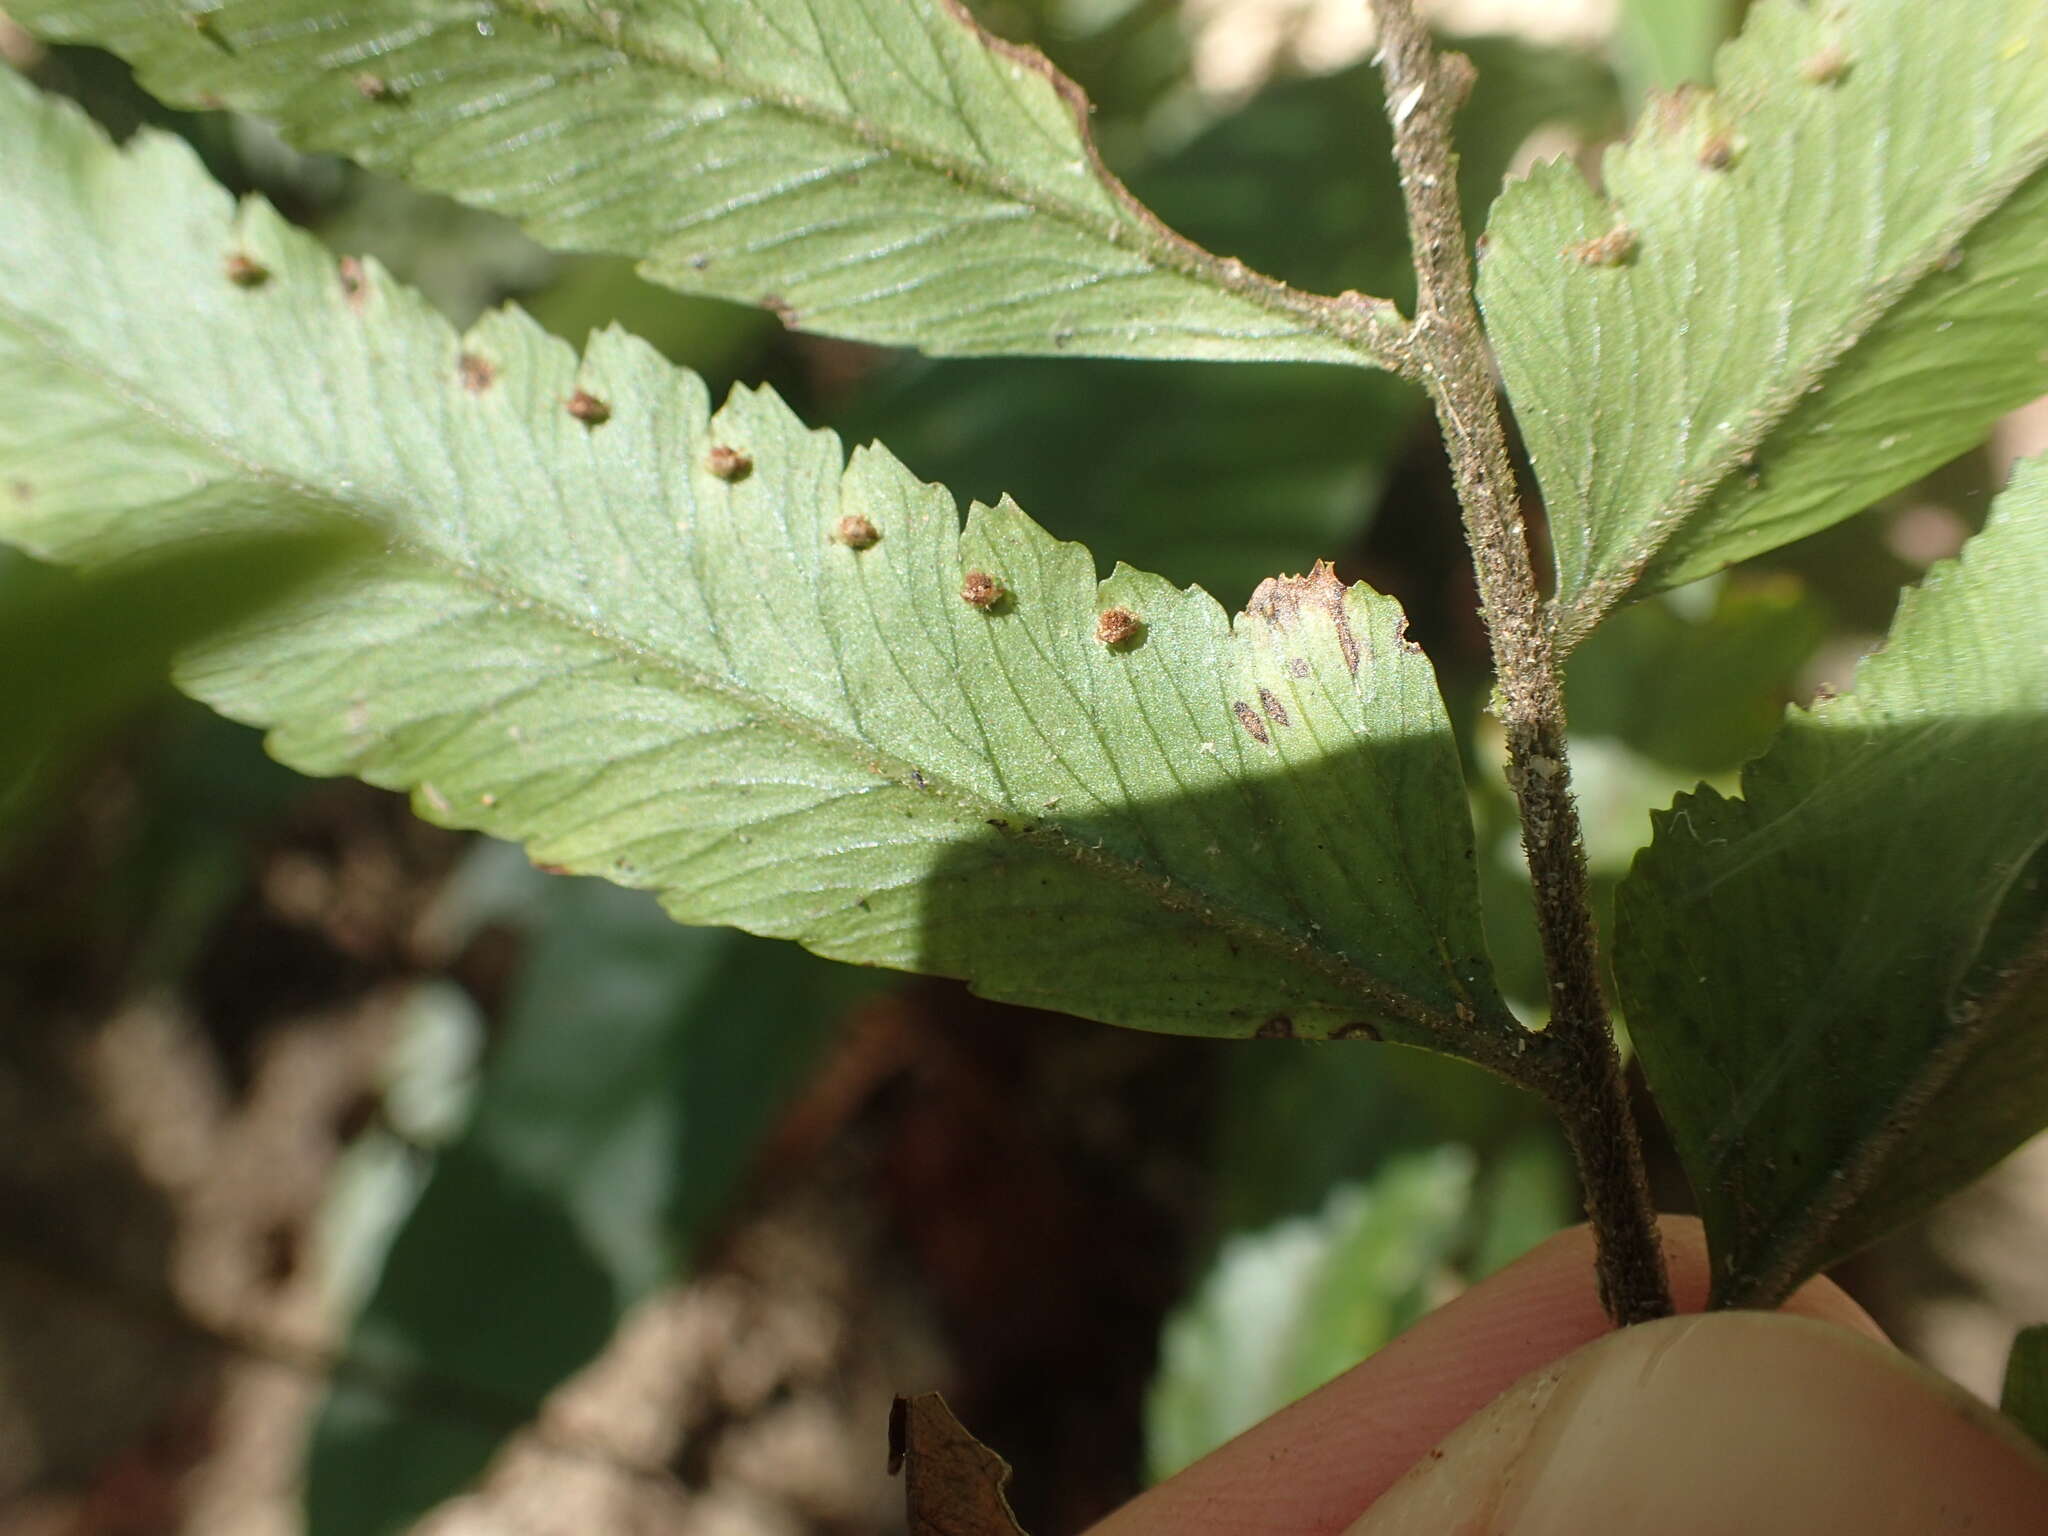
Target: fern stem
(1576,1065)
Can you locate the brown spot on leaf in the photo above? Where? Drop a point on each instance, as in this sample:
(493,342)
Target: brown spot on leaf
(981,590)
(1118,626)
(953,1484)
(355,286)
(1278,1027)
(1297,666)
(245,271)
(728,463)
(477,373)
(1825,67)
(1282,600)
(780,308)
(21,491)
(1355,1032)
(1275,710)
(376,88)
(1249,719)
(856,532)
(1718,152)
(588,409)
(1614,249)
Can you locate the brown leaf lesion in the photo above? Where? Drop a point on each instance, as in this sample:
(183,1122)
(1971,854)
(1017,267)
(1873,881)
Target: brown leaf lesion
(1282,601)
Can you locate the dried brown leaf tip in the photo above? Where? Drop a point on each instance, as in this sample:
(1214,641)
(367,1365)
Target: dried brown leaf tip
(477,373)
(245,271)
(1116,627)
(588,409)
(954,1485)
(376,88)
(856,532)
(1826,67)
(1613,249)
(981,590)
(728,463)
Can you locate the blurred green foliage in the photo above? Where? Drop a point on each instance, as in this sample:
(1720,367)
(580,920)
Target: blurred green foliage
(641,1063)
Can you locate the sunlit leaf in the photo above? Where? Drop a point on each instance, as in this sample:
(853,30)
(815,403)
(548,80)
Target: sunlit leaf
(1838,983)
(1217,474)
(1793,294)
(708,656)
(886,171)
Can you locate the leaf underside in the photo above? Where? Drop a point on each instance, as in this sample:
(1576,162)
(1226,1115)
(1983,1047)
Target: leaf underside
(877,169)
(1798,292)
(1838,983)
(641,639)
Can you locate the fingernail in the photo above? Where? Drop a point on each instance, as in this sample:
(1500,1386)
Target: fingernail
(1731,1424)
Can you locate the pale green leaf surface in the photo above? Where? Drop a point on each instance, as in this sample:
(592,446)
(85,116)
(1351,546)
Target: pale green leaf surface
(879,169)
(1838,279)
(1838,983)
(582,638)
(1284,1310)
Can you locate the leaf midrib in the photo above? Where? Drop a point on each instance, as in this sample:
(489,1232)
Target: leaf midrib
(1173,892)
(1573,623)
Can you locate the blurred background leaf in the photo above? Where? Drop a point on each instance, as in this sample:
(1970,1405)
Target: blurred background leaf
(1660,45)
(641,1065)
(1286,1308)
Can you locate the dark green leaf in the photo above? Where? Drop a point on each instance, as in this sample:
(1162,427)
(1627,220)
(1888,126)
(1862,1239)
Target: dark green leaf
(1838,984)
(2025,1397)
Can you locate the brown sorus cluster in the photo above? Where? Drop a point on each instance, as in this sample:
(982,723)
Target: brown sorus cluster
(246,271)
(588,409)
(981,590)
(1825,67)
(856,532)
(728,463)
(1609,250)
(478,373)
(1117,626)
